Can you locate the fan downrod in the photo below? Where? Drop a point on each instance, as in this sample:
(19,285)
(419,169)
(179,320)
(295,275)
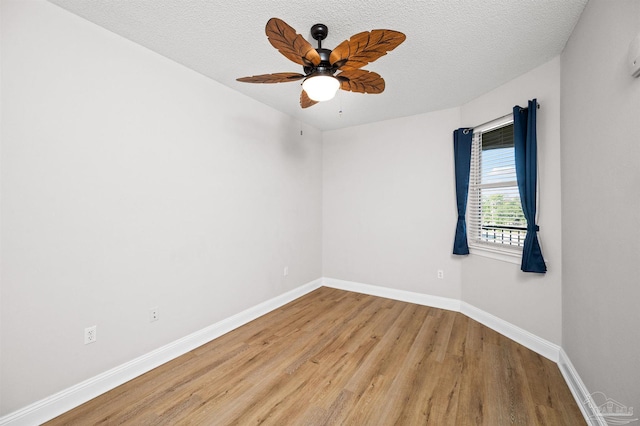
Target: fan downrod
(319,32)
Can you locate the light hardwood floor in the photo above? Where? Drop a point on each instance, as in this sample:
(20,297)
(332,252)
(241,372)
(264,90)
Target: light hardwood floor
(336,357)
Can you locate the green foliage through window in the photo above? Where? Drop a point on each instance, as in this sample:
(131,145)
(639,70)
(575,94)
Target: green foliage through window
(495,211)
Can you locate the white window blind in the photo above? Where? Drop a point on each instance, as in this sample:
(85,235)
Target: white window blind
(494,214)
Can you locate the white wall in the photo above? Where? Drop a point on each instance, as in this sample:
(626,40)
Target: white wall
(389,208)
(530,301)
(601,200)
(128,182)
(389,211)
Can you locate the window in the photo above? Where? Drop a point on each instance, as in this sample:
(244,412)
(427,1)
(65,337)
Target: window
(495,220)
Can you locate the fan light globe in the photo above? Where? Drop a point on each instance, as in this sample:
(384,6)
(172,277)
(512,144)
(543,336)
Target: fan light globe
(321,88)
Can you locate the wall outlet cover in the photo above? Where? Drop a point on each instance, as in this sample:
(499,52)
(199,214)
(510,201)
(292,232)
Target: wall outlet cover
(90,335)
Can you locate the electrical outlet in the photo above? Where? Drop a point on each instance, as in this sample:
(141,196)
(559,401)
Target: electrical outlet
(440,274)
(154,314)
(90,335)
(286,271)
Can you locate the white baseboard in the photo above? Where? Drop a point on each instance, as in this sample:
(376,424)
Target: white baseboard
(579,390)
(72,397)
(390,293)
(529,340)
(541,346)
(54,405)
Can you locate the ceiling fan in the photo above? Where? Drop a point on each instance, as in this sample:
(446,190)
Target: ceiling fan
(321,64)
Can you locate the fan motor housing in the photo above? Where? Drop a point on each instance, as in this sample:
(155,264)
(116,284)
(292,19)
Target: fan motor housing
(324,64)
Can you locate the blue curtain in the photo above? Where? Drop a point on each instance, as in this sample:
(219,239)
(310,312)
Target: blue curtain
(525,144)
(462,162)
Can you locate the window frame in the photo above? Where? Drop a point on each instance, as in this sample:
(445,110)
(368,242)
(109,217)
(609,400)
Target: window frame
(503,252)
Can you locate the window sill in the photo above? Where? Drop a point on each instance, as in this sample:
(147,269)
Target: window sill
(510,256)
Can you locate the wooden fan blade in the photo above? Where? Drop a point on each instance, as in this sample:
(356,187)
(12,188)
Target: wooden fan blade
(361,81)
(290,44)
(279,77)
(365,47)
(305,100)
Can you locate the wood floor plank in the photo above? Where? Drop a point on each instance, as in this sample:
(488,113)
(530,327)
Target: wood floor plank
(395,360)
(335,357)
(409,381)
(371,377)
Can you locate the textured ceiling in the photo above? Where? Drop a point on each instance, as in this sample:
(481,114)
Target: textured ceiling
(455,50)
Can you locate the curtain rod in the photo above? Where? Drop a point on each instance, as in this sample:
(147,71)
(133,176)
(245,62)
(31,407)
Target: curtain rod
(466,130)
